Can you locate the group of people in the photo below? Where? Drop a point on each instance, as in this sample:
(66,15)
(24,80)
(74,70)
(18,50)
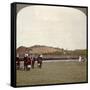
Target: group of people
(28,62)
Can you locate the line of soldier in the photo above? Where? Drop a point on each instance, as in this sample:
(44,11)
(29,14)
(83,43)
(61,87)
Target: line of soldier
(28,62)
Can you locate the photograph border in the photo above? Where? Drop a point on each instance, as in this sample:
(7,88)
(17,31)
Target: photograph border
(13,42)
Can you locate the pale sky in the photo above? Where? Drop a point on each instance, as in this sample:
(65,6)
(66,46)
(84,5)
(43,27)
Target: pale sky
(61,27)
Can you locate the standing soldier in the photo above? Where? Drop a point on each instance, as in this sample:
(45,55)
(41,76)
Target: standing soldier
(39,60)
(17,61)
(80,58)
(25,61)
(29,62)
(33,61)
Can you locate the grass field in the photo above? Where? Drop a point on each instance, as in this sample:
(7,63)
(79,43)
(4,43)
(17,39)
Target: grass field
(53,72)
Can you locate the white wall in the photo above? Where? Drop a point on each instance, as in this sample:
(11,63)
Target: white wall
(5,44)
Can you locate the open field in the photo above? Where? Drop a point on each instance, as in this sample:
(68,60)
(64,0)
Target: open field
(54,72)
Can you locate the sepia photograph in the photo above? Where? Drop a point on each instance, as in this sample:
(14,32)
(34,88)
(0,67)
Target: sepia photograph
(51,44)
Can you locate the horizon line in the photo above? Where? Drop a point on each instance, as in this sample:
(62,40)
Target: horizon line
(51,46)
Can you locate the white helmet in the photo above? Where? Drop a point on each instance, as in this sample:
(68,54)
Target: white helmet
(41,55)
(26,55)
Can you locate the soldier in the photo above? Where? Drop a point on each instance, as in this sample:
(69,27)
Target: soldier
(25,61)
(29,62)
(33,61)
(80,58)
(17,62)
(39,60)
